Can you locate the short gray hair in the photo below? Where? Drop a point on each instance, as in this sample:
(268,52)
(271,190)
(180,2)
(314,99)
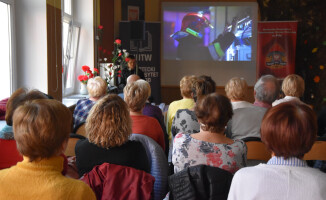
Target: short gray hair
(267,89)
(96,87)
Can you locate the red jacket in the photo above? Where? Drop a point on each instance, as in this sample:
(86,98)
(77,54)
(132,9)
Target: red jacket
(110,181)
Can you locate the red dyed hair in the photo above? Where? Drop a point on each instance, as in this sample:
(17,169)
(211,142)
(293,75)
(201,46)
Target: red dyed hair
(289,129)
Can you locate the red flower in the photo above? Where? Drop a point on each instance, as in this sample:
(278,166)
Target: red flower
(85,78)
(110,65)
(118,41)
(96,70)
(119,71)
(100,48)
(91,75)
(110,73)
(100,27)
(127,59)
(119,75)
(104,50)
(85,68)
(120,54)
(81,77)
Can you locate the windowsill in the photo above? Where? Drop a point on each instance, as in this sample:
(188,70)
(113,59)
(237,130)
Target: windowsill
(72,99)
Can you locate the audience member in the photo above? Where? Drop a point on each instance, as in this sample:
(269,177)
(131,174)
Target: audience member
(236,90)
(97,88)
(246,121)
(186,102)
(210,146)
(288,131)
(293,89)
(185,120)
(108,127)
(8,147)
(136,94)
(41,130)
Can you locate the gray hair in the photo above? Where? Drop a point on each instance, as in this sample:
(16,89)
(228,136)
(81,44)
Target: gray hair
(267,89)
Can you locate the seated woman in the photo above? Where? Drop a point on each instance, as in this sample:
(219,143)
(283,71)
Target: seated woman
(288,130)
(293,88)
(136,94)
(185,120)
(236,90)
(41,130)
(210,146)
(9,155)
(97,88)
(108,127)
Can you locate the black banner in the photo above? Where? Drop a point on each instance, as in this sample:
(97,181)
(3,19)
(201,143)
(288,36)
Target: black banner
(147,53)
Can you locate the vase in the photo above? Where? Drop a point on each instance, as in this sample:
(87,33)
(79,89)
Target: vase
(83,88)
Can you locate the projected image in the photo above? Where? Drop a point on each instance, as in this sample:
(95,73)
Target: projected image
(221,33)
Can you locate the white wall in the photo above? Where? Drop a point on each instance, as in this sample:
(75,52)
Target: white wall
(83,12)
(31,46)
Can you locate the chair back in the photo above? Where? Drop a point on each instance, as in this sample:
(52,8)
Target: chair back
(73,139)
(317,152)
(257,151)
(158,162)
(9,154)
(81,130)
(109,181)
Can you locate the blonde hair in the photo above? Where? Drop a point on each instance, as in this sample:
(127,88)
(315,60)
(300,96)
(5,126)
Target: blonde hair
(236,88)
(186,85)
(96,87)
(136,94)
(293,85)
(40,128)
(108,123)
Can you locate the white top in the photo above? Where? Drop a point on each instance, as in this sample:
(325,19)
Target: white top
(240,104)
(278,182)
(285,99)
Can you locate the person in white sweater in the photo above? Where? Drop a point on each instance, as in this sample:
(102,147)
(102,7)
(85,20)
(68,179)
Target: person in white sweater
(293,88)
(288,130)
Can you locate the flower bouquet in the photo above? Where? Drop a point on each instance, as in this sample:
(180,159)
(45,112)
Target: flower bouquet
(87,74)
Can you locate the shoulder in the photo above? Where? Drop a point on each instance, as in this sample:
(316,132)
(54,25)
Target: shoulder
(79,189)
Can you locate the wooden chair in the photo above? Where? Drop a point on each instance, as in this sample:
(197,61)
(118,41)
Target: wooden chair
(257,151)
(70,150)
(317,152)
(81,130)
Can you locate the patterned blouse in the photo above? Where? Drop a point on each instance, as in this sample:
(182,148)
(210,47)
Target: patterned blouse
(185,121)
(188,151)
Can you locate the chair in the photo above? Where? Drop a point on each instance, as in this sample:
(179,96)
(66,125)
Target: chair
(256,149)
(158,162)
(317,152)
(109,181)
(73,138)
(80,130)
(9,154)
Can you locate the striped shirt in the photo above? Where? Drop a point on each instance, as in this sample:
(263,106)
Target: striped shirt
(292,161)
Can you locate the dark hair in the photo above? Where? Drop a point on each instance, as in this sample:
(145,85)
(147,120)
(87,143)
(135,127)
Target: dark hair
(19,97)
(289,129)
(214,111)
(202,86)
(131,57)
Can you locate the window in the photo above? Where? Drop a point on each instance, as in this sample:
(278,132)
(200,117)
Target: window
(6,48)
(70,40)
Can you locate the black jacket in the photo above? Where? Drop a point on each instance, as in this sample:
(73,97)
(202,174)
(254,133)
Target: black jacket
(200,182)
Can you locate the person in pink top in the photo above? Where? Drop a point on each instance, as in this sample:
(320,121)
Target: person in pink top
(135,95)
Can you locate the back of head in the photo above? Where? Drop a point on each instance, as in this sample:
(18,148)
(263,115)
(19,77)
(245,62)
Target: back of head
(136,94)
(293,85)
(186,84)
(236,89)
(267,89)
(289,129)
(214,111)
(202,86)
(132,78)
(97,87)
(108,123)
(40,128)
(19,97)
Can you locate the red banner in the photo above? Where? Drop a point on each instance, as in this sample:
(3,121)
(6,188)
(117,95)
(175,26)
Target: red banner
(276,48)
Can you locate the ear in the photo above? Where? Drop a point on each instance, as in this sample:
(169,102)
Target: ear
(64,145)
